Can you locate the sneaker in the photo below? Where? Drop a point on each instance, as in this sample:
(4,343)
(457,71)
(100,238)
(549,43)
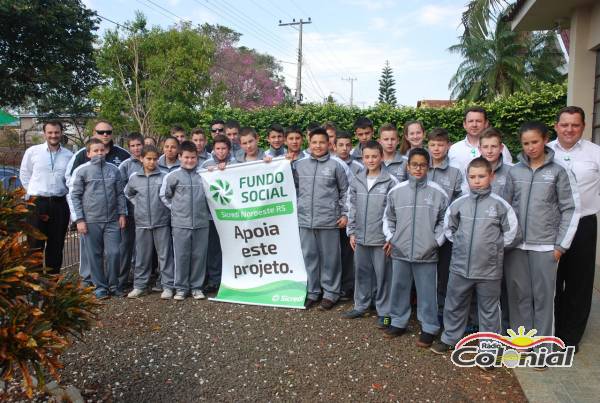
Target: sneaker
(118,293)
(136,293)
(347,295)
(198,294)
(393,331)
(425,340)
(309,303)
(354,314)
(102,294)
(383,322)
(326,304)
(441,348)
(166,294)
(157,288)
(486,368)
(179,296)
(541,368)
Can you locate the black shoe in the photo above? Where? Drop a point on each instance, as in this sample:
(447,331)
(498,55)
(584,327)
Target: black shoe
(383,322)
(354,314)
(210,289)
(347,295)
(486,368)
(326,304)
(425,340)
(119,293)
(309,303)
(393,331)
(540,368)
(441,348)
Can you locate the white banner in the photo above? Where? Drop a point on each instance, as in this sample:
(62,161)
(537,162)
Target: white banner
(253,206)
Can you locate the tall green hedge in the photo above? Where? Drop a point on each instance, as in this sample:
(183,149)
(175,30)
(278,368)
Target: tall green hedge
(506,114)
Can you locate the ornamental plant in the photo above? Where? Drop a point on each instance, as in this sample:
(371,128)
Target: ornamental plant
(39,312)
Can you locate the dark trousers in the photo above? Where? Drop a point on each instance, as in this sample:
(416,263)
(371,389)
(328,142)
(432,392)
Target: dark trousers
(443,273)
(347,264)
(575,283)
(51,217)
(215,257)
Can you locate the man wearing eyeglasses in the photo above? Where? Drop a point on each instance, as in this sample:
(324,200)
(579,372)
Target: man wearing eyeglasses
(103,131)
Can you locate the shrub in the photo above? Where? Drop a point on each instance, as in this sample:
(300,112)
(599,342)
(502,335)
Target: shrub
(38,311)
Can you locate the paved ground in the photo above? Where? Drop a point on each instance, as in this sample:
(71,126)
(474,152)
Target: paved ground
(153,350)
(581,383)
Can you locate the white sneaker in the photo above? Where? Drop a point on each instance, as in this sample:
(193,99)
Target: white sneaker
(179,296)
(166,294)
(198,294)
(135,293)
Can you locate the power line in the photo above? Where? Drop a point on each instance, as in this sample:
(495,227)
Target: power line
(166,10)
(116,23)
(156,11)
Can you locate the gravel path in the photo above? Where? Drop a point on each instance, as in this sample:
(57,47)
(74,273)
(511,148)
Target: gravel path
(153,350)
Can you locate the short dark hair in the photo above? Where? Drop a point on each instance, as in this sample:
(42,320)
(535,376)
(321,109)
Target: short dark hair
(217,122)
(491,132)
(91,142)
(52,123)
(373,145)
(176,129)
(221,138)
(276,128)
(312,125)
(571,110)
(135,136)
(534,125)
(476,109)
(438,134)
(330,126)
(363,123)
(232,124)
(293,129)
(150,149)
(319,131)
(98,121)
(198,130)
(187,145)
(151,138)
(418,151)
(342,134)
(170,138)
(480,162)
(388,127)
(245,131)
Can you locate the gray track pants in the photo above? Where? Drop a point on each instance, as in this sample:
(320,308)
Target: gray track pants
(531,284)
(458,306)
(148,240)
(373,271)
(102,242)
(189,247)
(322,258)
(425,276)
(84,267)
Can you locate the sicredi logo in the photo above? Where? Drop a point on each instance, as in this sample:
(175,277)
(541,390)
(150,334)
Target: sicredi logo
(221,192)
(518,349)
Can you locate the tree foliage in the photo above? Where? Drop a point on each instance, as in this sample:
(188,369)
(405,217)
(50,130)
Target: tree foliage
(387,92)
(47,55)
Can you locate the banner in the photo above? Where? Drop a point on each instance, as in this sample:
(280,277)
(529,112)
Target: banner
(253,206)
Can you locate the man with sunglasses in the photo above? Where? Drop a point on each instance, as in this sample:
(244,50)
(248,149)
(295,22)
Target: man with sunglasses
(115,155)
(217,126)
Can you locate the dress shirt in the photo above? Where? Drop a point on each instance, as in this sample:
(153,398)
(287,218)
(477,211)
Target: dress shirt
(463,152)
(42,171)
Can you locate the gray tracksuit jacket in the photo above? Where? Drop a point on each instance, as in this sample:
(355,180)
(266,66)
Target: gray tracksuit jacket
(356,152)
(321,187)
(212,162)
(366,207)
(413,220)
(162,165)
(500,173)
(449,178)
(240,156)
(129,167)
(182,192)
(397,167)
(480,225)
(546,202)
(203,156)
(144,193)
(96,192)
(274,153)
(354,167)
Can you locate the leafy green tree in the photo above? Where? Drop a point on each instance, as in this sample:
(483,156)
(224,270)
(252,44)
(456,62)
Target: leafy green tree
(153,78)
(46,55)
(387,92)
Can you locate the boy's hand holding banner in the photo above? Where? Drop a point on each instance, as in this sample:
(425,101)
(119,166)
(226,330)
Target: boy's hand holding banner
(254,209)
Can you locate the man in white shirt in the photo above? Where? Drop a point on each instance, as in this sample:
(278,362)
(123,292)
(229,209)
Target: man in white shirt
(575,276)
(42,174)
(463,152)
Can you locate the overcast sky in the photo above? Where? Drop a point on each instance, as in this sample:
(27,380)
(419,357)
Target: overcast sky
(347,38)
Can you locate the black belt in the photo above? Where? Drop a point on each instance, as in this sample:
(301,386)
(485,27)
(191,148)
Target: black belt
(51,198)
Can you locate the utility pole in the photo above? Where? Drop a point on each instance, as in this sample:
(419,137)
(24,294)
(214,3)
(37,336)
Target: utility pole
(298,94)
(351,80)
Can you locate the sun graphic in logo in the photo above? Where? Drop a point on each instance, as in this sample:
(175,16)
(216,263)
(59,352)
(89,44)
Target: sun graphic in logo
(522,339)
(221,191)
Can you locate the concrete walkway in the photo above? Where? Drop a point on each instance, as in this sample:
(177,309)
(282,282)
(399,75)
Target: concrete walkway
(580,383)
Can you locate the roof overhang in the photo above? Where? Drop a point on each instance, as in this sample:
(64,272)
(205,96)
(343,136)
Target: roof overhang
(536,15)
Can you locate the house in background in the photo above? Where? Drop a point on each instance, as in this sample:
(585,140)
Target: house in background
(582,20)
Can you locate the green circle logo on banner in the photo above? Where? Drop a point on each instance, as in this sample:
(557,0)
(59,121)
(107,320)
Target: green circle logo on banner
(221,192)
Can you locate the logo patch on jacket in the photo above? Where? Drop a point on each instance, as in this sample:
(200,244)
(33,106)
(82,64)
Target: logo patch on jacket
(491,212)
(548,175)
(428,199)
(326,171)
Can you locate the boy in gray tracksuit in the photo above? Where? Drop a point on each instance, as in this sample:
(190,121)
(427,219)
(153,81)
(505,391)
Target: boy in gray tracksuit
(183,193)
(480,224)
(99,208)
(322,184)
(397,166)
(546,201)
(412,224)
(152,226)
(366,203)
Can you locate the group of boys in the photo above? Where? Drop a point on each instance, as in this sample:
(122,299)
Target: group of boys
(373,223)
